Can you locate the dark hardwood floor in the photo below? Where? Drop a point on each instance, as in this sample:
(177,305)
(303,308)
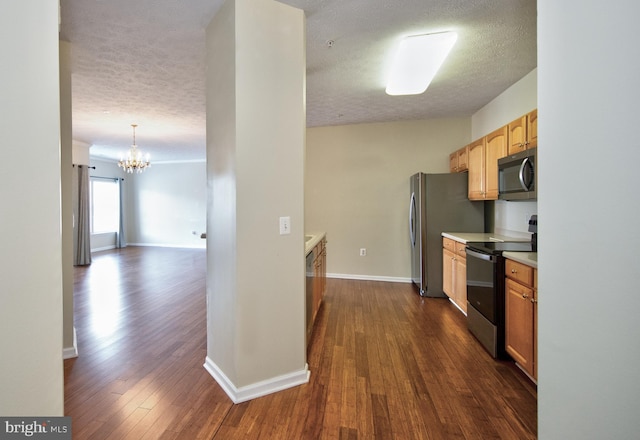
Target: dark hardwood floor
(384,363)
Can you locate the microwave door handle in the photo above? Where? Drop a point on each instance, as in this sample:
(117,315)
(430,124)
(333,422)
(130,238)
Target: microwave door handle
(521,173)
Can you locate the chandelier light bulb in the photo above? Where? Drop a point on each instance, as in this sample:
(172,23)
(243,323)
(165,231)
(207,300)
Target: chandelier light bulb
(134,160)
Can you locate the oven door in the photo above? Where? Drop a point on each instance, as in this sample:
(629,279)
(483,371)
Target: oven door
(481,283)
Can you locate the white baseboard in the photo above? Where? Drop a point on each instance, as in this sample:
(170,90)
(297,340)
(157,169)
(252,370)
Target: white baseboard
(258,389)
(104,248)
(169,245)
(71,352)
(369,278)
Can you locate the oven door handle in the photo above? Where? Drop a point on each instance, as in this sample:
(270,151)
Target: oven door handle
(480,255)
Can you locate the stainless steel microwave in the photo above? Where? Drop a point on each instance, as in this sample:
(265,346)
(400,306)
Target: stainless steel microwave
(517,176)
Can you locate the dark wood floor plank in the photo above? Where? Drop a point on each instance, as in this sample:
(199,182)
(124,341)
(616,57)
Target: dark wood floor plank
(385,363)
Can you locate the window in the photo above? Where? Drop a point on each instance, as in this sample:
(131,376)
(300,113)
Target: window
(105,205)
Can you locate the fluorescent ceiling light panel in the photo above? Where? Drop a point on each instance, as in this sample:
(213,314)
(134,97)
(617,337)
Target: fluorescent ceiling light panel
(417,60)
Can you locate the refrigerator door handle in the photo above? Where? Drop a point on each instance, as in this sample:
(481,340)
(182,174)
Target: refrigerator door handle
(412,219)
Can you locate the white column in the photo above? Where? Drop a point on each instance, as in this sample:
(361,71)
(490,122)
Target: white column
(31,373)
(589,206)
(66,152)
(255,164)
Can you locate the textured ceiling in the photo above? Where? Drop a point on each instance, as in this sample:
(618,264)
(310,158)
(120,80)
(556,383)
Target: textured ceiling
(142,61)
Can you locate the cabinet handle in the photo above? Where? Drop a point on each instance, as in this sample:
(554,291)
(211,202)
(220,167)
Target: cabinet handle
(525,296)
(533,300)
(514,271)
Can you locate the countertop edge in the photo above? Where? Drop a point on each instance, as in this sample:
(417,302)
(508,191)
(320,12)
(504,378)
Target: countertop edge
(467,237)
(523,257)
(309,245)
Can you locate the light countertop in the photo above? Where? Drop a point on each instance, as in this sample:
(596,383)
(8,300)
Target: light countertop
(528,258)
(311,240)
(466,237)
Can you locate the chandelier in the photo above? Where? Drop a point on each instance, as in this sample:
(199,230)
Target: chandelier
(133,161)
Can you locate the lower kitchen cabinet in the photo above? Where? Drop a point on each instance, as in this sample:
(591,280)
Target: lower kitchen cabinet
(454,272)
(316,282)
(521,323)
(319,275)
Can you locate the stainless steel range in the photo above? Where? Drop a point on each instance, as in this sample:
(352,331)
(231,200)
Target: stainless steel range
(485,289)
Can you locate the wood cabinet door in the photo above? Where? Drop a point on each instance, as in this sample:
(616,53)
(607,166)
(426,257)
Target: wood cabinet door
(495,148)
(317,285)
(519,324)
(532,129)
(448,260)
(460,274)
(453,162)
(448,243)
(535,323)
(517,135)
(463,159)
(476,159)
(519,272)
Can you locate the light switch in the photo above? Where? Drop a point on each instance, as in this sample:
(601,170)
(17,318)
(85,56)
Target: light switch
(285,225)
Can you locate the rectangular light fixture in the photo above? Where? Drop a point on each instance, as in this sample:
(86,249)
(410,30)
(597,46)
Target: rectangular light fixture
(416,62)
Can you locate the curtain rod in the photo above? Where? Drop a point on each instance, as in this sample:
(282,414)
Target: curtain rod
(107,178)
(93,168)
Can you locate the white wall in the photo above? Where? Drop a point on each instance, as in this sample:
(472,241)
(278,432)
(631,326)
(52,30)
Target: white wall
(357,189)
(163,206)
(167,205)
(588,93)
(517,100)
(357,179)
(80,153)
(255,157)
(31,374)
(510,217)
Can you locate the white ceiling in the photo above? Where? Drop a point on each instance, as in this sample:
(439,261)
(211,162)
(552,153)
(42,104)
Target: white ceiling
(142,61)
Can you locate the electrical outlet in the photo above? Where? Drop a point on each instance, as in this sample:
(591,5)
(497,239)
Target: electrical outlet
(285,225)
(363,252)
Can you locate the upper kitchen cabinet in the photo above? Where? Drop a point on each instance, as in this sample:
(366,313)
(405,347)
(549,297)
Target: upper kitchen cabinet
(523,133)
(483,164)
(480,157)
(495,148)
(459,160)
(476,170)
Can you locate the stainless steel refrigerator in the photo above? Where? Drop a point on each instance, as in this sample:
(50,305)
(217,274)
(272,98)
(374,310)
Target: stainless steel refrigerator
(438,203)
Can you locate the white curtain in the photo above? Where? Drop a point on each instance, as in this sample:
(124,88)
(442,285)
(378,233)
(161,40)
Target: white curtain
(121,238)
(82,226)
